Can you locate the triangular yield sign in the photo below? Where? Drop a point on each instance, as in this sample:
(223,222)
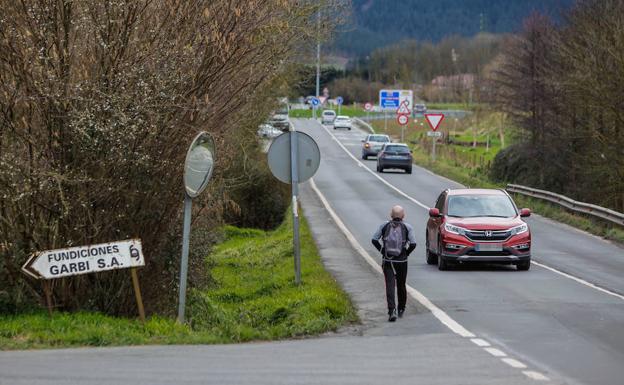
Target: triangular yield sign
(434,120)
(403,110)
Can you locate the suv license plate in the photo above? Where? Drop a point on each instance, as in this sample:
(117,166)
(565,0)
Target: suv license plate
(489,247)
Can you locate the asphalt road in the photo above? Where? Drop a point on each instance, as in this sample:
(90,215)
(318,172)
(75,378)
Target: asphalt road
(564,316)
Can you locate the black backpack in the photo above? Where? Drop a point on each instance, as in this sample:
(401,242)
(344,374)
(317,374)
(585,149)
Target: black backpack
(394,239)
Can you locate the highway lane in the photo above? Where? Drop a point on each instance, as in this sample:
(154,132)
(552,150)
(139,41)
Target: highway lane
(549,320)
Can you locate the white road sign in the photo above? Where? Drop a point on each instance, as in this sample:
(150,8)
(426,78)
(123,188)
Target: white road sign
(85,259)
(436,134)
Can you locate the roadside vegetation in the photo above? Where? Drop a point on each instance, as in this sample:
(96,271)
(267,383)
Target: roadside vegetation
(251,295)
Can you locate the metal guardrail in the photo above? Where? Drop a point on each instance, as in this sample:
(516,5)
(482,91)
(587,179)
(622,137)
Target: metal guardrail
(364,124)
(581,207)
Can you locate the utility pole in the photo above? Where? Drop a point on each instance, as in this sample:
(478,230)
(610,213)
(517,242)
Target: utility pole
(318,56)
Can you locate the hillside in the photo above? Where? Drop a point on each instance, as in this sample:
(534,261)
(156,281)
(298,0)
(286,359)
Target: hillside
(376,23)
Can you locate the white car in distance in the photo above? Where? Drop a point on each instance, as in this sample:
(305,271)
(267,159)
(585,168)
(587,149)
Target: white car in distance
(342,121)
(328,117)
(267,131)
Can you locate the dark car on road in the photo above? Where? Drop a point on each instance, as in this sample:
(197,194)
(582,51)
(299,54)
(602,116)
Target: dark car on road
(420,108)
(372,144)
(482,225)
(394,155)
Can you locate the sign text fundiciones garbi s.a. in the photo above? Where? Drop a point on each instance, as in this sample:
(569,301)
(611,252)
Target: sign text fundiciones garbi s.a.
(85,259)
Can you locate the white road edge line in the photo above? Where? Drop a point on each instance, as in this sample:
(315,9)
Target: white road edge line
(514,363)
(579,280)
(495,352)
(566,275)
(537,376)
(441,315)
(480,342)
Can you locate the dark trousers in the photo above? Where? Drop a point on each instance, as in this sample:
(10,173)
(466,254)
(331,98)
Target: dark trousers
(395,274)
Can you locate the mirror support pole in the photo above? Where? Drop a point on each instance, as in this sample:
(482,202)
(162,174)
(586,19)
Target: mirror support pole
(186,232)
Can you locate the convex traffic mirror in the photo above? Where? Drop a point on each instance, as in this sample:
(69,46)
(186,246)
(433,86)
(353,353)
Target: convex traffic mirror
(199,164)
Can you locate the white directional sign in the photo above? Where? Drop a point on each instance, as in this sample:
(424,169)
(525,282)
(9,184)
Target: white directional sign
(434,120)
(85,259)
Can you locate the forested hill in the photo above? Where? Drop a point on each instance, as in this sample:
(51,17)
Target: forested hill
(376,23)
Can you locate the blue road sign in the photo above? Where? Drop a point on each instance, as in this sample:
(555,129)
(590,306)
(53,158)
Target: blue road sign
(389,99)
(339,100)
(315,102)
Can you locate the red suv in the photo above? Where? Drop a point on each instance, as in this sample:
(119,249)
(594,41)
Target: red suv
(477,225)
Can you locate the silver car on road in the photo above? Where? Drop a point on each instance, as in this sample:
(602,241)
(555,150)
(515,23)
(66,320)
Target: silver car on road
(372,144)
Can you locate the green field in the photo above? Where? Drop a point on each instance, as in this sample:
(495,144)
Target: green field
(344,110)
(252,297)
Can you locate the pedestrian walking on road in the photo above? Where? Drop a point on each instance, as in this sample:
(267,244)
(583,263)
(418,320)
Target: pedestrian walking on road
(397,242)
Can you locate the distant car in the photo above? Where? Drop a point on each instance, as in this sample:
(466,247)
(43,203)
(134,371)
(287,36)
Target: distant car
(420,108)
(279,119)
(268,131)
(372,144)
(394,155)
(477,225)
(342,121)
(328,117)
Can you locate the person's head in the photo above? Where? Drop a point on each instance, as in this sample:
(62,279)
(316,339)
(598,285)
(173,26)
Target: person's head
(397,212)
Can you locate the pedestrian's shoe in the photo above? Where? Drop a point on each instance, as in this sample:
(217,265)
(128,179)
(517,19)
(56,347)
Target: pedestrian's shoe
(401,311)
(392,316)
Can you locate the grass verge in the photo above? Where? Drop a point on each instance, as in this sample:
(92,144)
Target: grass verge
(252,297)
(344,110)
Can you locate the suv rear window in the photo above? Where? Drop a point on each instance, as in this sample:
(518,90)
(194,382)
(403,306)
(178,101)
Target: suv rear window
(396,148)
(378,138)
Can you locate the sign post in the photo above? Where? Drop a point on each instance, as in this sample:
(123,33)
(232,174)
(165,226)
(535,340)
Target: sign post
(58,263)
(368,107)
(339,100)
(294,157)
(315,103)
(434,121)
(403,114)
(197,172)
